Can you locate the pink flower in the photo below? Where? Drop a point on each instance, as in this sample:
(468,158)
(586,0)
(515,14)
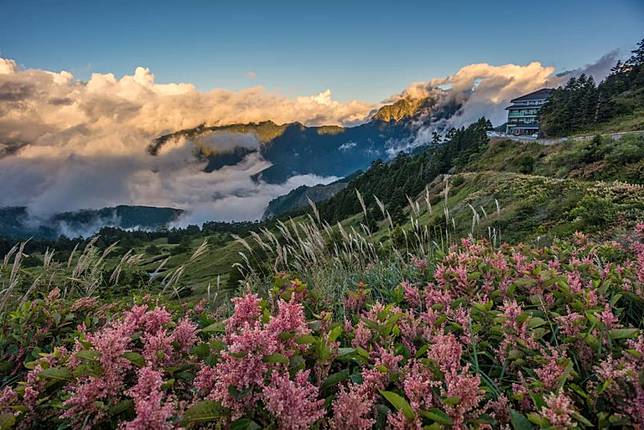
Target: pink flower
(419,263)
(157,348)
(352,409)
(294,404)
(362,335)
(110,342)
(417,385)
(465,387)
(436,295)
(412,295)
(150,321)
(558,410)
(511,311)
(607,318)
(7,397)
(500,409)
(570,324)
(151,412)
(356,299)
(550,374)
(289,319)
(446,351)
(247,311)
(185,334)
(574,282)
(84,303)
(398,421)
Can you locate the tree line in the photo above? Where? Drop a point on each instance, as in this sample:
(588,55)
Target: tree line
(406,175)
(581,103)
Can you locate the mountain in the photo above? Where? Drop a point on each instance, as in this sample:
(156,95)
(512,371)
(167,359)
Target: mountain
(17,223)
(401,109)
(296,149)
(297,198)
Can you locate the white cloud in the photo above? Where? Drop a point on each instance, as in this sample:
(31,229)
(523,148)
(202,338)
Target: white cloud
(66,145)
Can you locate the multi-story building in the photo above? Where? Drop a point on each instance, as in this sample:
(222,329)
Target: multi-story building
(523,114)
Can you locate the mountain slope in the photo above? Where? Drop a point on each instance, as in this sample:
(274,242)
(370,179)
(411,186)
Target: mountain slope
(298,198)
(16,222)
(296,149)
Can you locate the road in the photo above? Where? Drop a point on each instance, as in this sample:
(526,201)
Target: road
(554,141)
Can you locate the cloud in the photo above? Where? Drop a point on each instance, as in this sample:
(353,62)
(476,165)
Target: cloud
(483,89)
(67,144)
(250,75)
(598,70)
(486,90)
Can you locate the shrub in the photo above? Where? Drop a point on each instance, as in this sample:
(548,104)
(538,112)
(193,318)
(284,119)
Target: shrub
(594,211)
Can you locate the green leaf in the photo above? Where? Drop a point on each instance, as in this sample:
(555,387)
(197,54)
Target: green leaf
(615,299)
(244,424)
(623,333)
(121,407)
(362,352)
(56,373)
(86,370)
(519,421)
(203,411)
(134,358)
(335,333)
(438,416)
(452,401)
(276,358)
(335,378)
(345,351)
(285,335)
(7,421)
(201,350)
(87,355)
(535,322)
(582,419)
(538,419)
(217,327)
(422,350)
(307,339)
(400,403)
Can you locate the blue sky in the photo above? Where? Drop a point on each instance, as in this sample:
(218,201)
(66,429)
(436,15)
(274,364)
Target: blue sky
(362,50)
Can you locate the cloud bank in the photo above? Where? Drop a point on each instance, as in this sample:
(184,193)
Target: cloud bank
(486,90)
(67,144)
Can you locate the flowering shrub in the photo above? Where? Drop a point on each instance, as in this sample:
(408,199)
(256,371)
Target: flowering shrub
(497,338)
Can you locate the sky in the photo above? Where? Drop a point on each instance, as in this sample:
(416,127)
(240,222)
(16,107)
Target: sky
(360,50)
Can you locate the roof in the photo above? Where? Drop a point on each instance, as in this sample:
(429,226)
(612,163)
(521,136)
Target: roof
(523,107)
(543,93)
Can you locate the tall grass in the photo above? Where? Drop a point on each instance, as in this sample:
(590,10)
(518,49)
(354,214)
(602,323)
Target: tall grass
(333,258)
(330,257)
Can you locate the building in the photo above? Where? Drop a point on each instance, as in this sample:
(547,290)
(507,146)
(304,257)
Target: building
(523,113)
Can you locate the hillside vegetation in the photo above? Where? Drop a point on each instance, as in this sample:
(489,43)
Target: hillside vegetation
(616,104)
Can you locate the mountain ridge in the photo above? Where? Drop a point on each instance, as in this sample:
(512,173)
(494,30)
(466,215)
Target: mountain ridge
(325,150)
